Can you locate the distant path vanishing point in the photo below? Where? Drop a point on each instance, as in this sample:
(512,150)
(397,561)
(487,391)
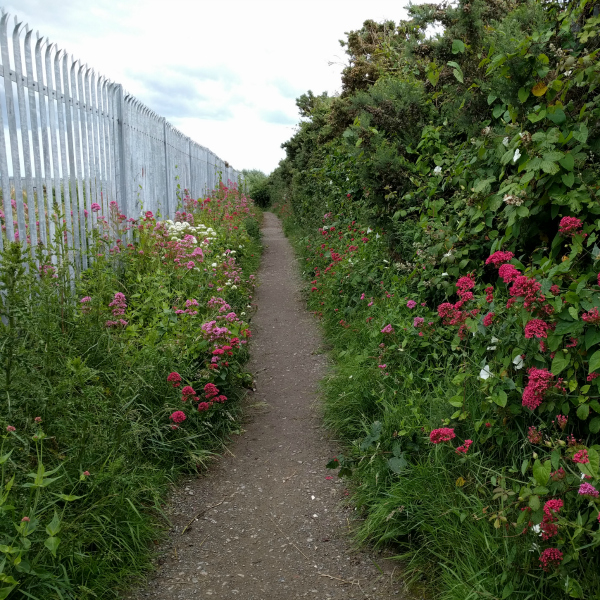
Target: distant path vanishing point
(277,530)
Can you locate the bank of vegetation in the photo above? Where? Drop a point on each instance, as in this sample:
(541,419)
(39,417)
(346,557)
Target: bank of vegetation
(446,209)
(112,384)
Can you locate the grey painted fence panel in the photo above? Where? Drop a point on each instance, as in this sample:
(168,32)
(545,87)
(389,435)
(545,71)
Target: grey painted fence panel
(70,139)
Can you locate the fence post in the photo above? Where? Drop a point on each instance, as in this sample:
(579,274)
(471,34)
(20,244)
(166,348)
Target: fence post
(168,187)
(191,192)
(122,183)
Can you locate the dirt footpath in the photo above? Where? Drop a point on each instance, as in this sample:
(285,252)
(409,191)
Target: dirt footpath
(277,530)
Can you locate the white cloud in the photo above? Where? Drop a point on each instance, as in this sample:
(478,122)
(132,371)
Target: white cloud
(226,73)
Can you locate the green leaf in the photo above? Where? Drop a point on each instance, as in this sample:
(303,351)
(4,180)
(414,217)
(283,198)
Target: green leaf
(541,472)
(592,337)
(573,313)
(498,110)
(54,526)
(567,162)
(458,46)
(558,116)
(523,94)
(68,497)
(4,458)
(583,411)
(594,362)
(52,544)
(397,464)
(534,502)
(568,179)
(560,362)
(594,425)
(501,399)
(549,167)
(555,459)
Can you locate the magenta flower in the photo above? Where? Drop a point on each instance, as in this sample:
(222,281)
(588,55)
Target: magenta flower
(443,434)
(388,329)
(95,207)
(551,559)
(581,457)
(498,258)
(178,416)
(411,304)
(586,489)
(536,328)
(418,321)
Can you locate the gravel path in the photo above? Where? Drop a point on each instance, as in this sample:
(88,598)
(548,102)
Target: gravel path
(276,529)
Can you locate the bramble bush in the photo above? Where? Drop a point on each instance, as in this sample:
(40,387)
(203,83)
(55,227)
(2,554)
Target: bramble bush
(446,208)
(113,389)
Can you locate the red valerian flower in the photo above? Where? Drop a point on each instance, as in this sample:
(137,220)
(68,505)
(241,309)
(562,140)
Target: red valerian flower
(174,379)
(551,559)
(498,258)
(508,273)
(570,226)
(487,320)
(443,434)
(464,448)
(536,328)
(581,457)
(540,381)
(178,416)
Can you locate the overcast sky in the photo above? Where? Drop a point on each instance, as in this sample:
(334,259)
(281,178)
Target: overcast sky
(225,72)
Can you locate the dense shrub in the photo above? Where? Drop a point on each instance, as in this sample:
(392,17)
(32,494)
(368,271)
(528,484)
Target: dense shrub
(446,206)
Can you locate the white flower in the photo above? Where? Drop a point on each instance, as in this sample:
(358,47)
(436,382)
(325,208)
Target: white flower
(369,230)
(437,170)
(377,236)
(233,252)
(325,228)
(234,287)
(491,347)
(240,246)
(505,141)
(518,361)
(485,373)
(449,253)
(494,340)
(243,314)
(517,155)
(536,529)
(214,265)
(387,262)
(444,274)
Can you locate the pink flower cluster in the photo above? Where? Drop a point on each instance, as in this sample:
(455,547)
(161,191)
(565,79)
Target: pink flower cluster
(174,379)
(592,317)
(178,416)
(499,258)
(388,329)
(443,434)
(586,489)
(487,320)
(548,524)
(581,457)
(550,559)
(534,435)
(537,328)
(539,382)
(118,304)
(508,273)
(570,226)
(213,331)
(411,304)
(418,321)
(464,448)
(189,304)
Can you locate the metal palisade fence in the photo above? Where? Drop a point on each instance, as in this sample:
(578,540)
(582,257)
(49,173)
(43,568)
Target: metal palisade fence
(73,142)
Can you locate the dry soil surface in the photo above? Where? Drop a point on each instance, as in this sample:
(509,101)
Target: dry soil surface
(272,524)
